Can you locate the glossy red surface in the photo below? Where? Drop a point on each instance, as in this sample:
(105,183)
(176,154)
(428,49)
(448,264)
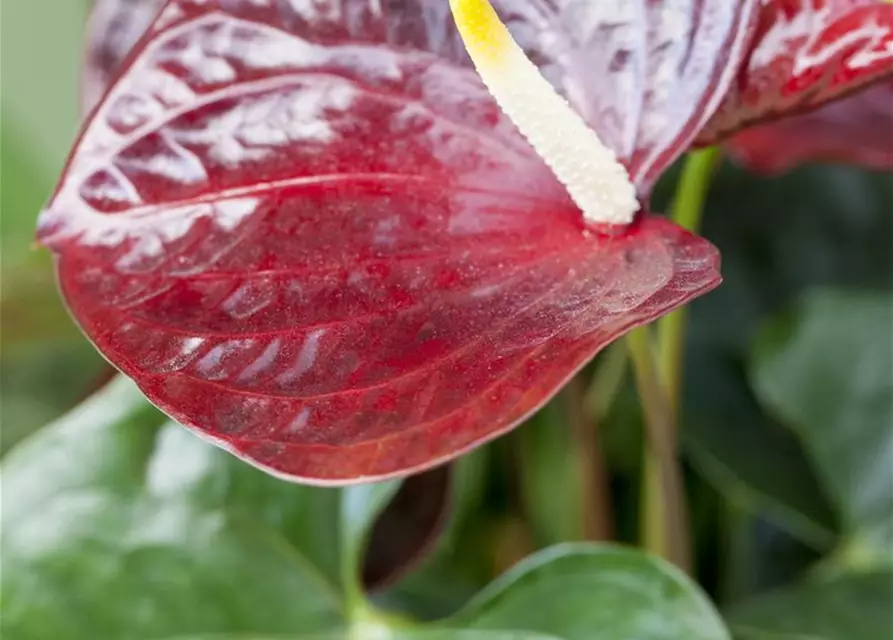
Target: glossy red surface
(855,130)
(596,55)
(645,75)
(806,53)
(333,255)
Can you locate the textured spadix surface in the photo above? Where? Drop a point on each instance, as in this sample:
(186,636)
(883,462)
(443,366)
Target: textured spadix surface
(331,254)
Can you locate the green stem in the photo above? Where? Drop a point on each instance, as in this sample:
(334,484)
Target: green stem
(355,604)
(687,212)
(664,514)
(691,193)
(736,577)
(368,623)
(606,382)
(664,519)
(595,496)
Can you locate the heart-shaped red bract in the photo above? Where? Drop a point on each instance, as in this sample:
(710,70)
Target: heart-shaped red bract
(855,130)
(332,254)
(806,53)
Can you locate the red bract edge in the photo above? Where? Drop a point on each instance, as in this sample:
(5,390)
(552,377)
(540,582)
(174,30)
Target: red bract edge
(805,53)
(113,28)
(855,130)
(335,257)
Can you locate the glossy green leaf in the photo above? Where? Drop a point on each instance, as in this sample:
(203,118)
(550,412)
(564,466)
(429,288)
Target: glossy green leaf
(755,462)
(757,556)
(826,371)
(853,606)
(117,525)
(595,592)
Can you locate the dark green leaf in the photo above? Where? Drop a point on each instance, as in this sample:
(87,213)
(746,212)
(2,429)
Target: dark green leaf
(757,555)
(595,592)
(846,607)
(117,527)
(827,372)
(39,381)
(778,237)
(754,461)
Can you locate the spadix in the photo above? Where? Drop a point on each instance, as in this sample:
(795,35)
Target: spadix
(588,169)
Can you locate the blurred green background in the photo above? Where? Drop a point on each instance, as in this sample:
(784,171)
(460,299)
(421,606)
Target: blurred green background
(44,364)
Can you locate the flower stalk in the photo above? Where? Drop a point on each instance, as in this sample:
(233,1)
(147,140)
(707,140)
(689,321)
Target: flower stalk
(664,514)
(659,369)
(687,213)
(595,495)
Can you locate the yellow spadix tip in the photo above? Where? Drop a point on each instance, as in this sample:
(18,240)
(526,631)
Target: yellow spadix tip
(587,168)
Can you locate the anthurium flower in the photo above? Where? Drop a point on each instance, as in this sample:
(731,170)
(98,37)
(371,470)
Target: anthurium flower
(308,232)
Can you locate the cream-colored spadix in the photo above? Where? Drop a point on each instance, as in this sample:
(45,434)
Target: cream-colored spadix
(588,169)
